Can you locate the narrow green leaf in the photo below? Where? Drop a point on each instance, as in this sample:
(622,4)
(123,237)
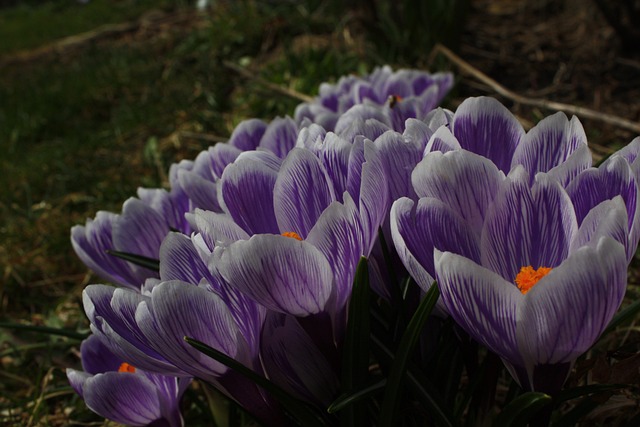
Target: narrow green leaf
(355,354)
(627,313)
(424,391)
(299,410)
(347,399)
(142,261)
(392,396)
(45,330)
(522,408)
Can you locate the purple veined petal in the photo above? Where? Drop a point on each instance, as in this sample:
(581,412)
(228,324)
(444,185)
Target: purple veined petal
(368,120)
(77,380)
(463,180)
(302,191)
(374,200)
(140,231)
(133,351)
(333,153)
(418,229)
(246,136)
(293,361)
(398,85)
(630,152)
(179,309)
(246,187)
(609,218)
(311,137)
(611,179)
(201,192)
(356,159)
(218,229)
(566,311)
(180,260)
(481,302)
(338,236)
(417,132)
(107,307)
(527,226)
(442,140)
(91,242)
(281,273)
(170,205)
(550,143)
(124,398)
(485,126)
(96,356)
(400,155)
(280,137)
(219,157)
(438,117)
(401,110)
(579,161)
(401,220)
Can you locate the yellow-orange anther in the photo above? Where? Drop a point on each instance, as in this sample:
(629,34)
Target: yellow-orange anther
(292,234)
(125,367)
(528,277)
(393,100)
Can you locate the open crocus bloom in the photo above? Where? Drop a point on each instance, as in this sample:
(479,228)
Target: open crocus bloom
(518,268)
(122,393)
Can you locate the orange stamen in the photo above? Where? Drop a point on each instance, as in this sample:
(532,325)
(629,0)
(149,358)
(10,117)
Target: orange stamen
(393,100)
(528,277)
(292,234)
(125,367)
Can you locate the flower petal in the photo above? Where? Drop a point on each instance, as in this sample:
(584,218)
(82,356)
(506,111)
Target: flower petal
(246,187)
(338,236)
(481,302)
(280,136)
(401,155)
(301,192)
(443,141)
(246,136)
(281,273)
(527,226)
(430,225)
(550,143)
(485,126)
(464,181)
(609,218)
(563,315)
(179,309)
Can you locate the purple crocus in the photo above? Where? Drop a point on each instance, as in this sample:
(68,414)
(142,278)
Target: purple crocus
(528,243)
(116,390)
(404,93)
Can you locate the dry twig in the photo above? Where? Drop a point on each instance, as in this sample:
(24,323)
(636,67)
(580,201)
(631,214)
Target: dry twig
(272,86)
(535,102)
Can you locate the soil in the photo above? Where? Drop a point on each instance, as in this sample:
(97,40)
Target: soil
(563,51)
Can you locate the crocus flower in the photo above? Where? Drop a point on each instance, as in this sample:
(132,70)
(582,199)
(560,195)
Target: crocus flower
(405,93)
(116,390)
(531,262)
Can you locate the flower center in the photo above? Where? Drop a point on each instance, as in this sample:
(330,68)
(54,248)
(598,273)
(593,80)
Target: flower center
(528,277)
(125,367)
(292,234)
(393,100)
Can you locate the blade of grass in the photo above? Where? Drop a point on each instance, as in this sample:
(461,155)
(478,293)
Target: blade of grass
(348,399)
(355,356)
(409,339)
(45,330)
(522,409)
(142,261)
(627,313)
(300,411)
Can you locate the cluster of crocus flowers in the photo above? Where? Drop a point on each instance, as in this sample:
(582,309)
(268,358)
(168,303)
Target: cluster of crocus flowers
(253,251)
